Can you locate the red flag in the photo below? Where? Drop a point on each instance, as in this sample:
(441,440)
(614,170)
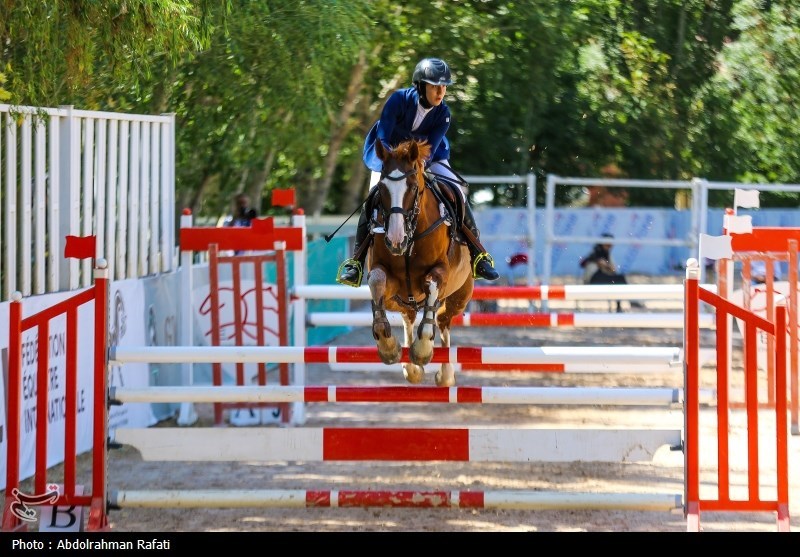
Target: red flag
(80,247)
(283,198)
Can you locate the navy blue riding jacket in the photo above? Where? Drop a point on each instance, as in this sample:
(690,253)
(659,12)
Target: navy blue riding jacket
(394,127)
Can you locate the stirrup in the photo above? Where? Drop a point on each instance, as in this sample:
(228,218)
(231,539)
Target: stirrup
(353,263)
(478,258)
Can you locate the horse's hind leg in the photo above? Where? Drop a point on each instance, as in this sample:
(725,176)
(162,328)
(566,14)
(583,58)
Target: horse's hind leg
(388,347)
(412,372)
(454,305)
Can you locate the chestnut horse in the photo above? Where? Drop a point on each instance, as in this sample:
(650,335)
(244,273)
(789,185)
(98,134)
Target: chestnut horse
(417,265)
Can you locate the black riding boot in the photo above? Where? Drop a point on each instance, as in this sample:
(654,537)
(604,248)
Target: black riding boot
(482,262)
(351,271)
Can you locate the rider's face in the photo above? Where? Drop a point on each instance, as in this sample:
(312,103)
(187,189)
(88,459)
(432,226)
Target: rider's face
(435,93)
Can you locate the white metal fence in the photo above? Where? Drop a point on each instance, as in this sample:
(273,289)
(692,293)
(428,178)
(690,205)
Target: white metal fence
(76,172)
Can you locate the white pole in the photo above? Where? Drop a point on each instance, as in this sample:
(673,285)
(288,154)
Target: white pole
(187,415)
(298,412)
(329,354)
(598,292)
(531,182)
(604,396)
(579,320)
(299,498)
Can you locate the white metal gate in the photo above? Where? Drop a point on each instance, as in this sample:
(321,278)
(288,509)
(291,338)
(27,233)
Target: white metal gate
(77,172)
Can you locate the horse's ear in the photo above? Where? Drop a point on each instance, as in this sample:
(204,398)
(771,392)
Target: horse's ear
(381,150)
(413,151)
(421,150)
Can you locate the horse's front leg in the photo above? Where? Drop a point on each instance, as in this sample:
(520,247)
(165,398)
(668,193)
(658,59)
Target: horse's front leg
(388,348)
(422,348)
(446,376)
(412,372)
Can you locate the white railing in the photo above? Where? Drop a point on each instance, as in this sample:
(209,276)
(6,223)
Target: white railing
(76,172)
(553,181)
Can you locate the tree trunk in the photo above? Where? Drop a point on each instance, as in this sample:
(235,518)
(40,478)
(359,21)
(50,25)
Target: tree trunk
(190,199)
(255,189)
(341,127)
(355,190)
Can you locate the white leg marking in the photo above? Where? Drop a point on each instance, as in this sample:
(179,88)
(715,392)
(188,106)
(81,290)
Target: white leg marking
(433,292)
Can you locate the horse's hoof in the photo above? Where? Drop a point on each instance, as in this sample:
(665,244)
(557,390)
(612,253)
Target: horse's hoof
(413,374)
(421,352)
(446,376)
(389,351)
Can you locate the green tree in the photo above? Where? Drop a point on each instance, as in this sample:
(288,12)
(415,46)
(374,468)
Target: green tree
(255,109)
(746,115)
(58,52)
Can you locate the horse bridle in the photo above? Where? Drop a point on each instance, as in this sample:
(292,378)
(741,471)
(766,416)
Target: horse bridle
(409,221)
(410,226)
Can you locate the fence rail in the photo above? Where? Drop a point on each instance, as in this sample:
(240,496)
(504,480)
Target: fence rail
(77,172)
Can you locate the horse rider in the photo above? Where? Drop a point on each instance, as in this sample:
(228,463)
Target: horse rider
(417,112)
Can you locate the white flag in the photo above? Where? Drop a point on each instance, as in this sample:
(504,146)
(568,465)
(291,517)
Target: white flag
(715,247)
(738,224)
(748,199)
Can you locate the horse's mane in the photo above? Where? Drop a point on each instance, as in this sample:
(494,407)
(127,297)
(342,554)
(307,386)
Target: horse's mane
(403,151)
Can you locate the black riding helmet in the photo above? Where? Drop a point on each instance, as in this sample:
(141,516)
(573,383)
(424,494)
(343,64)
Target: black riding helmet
(430,70)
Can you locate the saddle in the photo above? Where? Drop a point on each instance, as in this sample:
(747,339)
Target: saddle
(448,193)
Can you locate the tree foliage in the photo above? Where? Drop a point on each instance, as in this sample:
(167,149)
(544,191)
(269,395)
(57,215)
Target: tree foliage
(55,52)
(746,116)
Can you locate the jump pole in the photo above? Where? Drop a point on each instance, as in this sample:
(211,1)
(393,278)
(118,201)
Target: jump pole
(577,292)
(391,444)
(507,500)
(604,396)
(553,320)
(352,354)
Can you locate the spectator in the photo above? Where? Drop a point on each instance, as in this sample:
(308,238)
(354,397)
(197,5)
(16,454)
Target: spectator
(243,213)
(599,268)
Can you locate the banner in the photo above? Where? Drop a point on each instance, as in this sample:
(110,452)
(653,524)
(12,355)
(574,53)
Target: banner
(123,330)
(126,327)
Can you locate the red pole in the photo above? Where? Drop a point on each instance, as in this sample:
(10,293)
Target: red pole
(98,520)
(283,320)
(793,340)
(691,399)
(10,521)
(781,425)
